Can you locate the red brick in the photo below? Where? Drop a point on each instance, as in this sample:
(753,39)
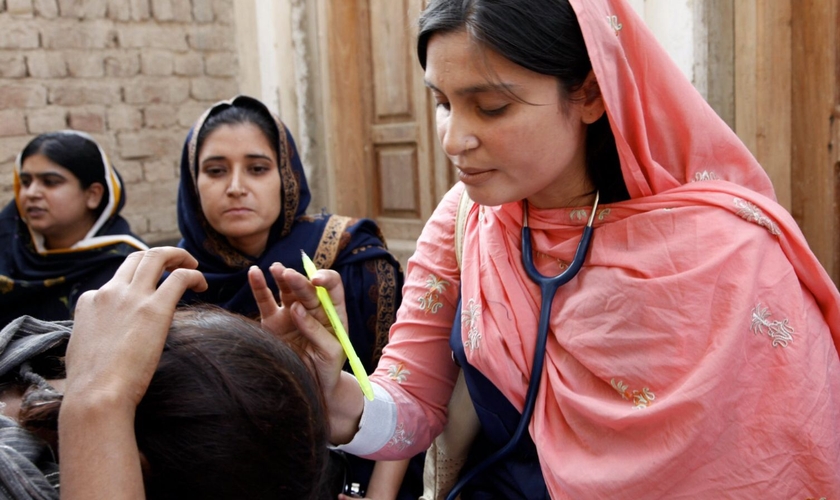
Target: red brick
(189,64)
(137,221)
(46,119)
(221,64)
(79,92)
(212,38)
(70,8)
(10,147)
(85,64)
(91,121)
(224,11)
(23,96)
(140,10)
(12,122)
(172,10)
(6,169)
(46,8)
(164,221)
(149,144)
(156,91)
(119,10)
(17,34)
(123,118)
(159,116)
(46,64)
(190,112)
(122,64)
(20,8)
(148,197)
(130,171)
(157,62)
(71,34)
(160,170)
(83,9)
(94,9)
(213,89)
(12,65)
(203,11)
(147,36)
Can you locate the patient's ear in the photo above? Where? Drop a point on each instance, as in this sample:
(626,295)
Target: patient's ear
(592,104)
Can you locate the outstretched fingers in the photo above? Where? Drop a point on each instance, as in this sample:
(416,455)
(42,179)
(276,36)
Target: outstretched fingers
(266,303)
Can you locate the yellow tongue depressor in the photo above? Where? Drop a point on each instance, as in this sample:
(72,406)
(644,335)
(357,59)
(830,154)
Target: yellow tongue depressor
(338,328)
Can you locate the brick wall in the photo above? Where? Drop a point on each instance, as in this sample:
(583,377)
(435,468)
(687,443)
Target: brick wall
(135,74)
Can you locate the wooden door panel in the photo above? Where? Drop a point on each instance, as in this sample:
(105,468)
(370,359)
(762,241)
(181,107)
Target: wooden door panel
(392,66)
(397,173)
(404,163)
(384,160)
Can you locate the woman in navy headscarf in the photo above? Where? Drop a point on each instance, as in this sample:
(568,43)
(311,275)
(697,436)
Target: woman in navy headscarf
(242,203)
(62,234)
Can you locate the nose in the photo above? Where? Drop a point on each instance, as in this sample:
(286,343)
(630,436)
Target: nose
(33,190)
(457,136)
(236,187)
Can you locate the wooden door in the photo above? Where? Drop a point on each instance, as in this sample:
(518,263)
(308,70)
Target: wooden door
(815,124)
(383,155)
(787,99)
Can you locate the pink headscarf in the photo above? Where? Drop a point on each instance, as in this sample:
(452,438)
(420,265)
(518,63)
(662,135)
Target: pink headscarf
(693,354)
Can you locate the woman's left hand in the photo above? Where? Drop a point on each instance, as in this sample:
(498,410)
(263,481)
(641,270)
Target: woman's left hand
(120,329)
(114,350)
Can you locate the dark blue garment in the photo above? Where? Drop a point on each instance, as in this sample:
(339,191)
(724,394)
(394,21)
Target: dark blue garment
(354,248)
(516,476)
(47,286)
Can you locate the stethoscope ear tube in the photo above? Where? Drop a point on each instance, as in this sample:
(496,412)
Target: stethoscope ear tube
(548,289)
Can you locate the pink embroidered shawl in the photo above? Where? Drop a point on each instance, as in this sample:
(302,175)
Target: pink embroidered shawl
(694,356)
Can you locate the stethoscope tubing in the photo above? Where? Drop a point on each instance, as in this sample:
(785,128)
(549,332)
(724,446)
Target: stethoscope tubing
(548,289)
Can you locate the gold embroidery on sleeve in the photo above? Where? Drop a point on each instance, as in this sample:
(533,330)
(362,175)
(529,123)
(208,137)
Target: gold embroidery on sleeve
(430,301)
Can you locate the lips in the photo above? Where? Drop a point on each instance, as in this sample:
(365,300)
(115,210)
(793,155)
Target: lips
(237,211)
(35,211)
(473,176)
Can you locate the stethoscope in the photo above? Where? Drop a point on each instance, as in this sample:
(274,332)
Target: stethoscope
(548,289)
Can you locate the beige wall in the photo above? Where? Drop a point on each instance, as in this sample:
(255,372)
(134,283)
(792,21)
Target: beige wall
(133,73)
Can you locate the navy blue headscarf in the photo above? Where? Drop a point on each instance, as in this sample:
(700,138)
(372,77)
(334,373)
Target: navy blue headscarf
(46,283)
(354,247)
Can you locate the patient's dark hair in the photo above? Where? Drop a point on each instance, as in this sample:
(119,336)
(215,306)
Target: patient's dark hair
(231,412)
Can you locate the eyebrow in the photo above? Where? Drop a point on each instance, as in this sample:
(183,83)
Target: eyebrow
(256,156)
(506,88)
(42,175)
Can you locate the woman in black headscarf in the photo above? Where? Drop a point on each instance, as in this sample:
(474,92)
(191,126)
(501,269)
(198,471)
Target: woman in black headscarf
(62,234)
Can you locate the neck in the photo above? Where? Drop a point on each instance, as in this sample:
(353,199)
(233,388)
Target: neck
(252,246)
(67,238)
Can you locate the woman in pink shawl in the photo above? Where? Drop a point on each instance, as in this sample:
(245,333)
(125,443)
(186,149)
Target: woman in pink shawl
(693,356)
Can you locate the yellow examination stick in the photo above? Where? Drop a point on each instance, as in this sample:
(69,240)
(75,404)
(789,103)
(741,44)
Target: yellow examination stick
(329,308)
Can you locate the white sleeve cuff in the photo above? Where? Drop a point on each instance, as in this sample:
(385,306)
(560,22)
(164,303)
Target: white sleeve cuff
(377,426)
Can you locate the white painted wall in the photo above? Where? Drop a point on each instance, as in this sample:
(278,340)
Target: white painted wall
(675,25)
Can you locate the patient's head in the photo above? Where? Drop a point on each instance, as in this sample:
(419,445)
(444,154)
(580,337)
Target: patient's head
(231,412)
